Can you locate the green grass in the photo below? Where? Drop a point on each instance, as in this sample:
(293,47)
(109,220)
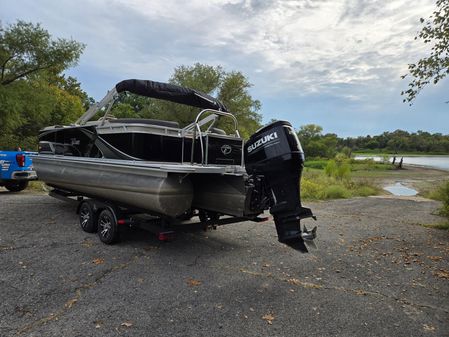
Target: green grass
(380,153)
(441,193)
(339,179)
(316,185)
(370,165)
(38,186)
(319,164)
(356,165)
(441,225)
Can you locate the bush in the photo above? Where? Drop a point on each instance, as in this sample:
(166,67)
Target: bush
(441,193)
(316,164)
(330,168)
(365,191)
(336,192)
(316,185)
(369,165)
(311,190)
(339,168)
(343,170)
(11,142)
(445,199)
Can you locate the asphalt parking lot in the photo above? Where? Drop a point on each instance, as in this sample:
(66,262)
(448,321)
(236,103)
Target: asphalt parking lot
(376,272)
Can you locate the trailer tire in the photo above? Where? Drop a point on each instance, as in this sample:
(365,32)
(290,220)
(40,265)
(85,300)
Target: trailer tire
(107,227)
(88,217)
(208,216)
(16,186)
(187,215)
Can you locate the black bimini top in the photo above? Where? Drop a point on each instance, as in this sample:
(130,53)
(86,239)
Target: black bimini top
(170,92)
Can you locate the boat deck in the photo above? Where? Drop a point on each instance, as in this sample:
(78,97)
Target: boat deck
(149,165)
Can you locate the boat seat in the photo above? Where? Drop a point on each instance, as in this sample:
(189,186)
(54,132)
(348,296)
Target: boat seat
(158,122)
(217,131)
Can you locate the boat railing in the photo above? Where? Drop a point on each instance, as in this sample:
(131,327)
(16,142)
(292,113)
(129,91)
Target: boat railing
(194,129)
(108,100)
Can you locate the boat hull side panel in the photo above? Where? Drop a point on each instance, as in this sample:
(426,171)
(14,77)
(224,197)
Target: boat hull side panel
(224,194)
(156,192)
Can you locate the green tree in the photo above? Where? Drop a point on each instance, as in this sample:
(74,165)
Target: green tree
(35,104)
(435,67)
(27,49)
(33,89)
(309,132)
(232,88)
(315,144)
(330,141)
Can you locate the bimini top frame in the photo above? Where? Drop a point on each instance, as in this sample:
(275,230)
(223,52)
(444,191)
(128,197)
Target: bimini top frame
(164,91)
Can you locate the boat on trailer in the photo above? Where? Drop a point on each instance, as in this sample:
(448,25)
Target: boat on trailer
(121,166)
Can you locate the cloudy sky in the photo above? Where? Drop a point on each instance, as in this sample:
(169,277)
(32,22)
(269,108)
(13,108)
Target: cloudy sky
(335,63)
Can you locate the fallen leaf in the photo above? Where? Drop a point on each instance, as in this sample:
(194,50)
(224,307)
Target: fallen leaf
(361,292)
(98,323)
(192,282)
(435,258)
(126,324)
(297,282)
(98,261)
(269,318)
(442,273)
(70,303)
(87,243)
(140,280)
(428,327)
(251,272)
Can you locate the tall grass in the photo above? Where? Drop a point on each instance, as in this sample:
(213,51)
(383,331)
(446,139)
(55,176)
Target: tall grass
(338,168)
(317,185)
(331,179)
(355,165)
(441,193)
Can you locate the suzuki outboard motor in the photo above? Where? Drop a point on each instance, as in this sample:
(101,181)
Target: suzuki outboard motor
(274,155)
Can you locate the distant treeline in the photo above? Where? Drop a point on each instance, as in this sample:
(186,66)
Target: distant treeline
(317,144)
(401,141)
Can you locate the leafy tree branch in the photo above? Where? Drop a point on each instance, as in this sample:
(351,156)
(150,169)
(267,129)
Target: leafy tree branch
(433,68)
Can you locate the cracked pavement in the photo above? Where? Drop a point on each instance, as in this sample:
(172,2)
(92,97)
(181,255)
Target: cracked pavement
(376,273)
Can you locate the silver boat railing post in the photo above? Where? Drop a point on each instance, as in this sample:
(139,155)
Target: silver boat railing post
(195,128)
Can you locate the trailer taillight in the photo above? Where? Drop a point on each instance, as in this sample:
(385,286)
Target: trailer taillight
(166,236)
(20,159)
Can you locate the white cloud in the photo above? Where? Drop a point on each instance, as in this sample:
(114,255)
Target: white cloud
(299,46)
(303,45)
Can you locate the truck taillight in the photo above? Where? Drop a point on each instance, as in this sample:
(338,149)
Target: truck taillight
(20,159)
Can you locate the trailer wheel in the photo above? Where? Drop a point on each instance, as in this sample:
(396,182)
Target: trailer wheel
(16,186)
(187,215)
(208,216)
(107,227)
(88,217)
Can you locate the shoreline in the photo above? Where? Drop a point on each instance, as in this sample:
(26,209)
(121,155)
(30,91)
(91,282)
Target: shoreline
(438,162)
(400,154)
(423,179)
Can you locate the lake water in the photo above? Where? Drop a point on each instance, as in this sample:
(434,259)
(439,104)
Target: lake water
(438,162)
(399,189)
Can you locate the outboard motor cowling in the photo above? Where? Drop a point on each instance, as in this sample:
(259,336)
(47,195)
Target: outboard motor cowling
(275,153)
